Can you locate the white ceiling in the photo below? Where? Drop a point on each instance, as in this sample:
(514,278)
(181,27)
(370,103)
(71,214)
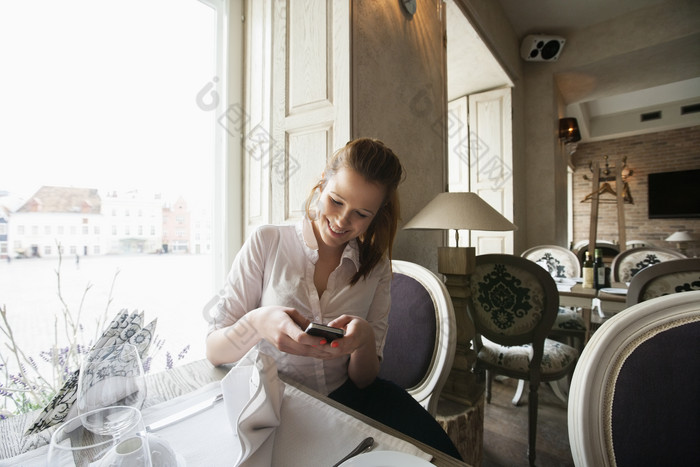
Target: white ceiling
(565,16)
(610,110)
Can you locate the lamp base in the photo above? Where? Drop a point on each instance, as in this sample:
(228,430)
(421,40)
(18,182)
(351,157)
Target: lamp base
(457,264)
(454,260)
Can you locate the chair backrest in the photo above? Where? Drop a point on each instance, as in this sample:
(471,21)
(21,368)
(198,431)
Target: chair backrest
(608,248)
(634,394)
(669,277)
(639,244)
(422,335)
(561,262)
(629,262)
(513,302)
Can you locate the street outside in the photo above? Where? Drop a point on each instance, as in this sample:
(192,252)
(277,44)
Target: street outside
(172,288)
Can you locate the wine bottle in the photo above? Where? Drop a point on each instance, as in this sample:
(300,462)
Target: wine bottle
(598,270)
(588,271)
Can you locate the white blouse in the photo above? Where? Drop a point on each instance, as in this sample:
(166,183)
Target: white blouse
(276,266)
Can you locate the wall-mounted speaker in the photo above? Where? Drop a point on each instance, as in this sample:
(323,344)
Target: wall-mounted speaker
(538,48)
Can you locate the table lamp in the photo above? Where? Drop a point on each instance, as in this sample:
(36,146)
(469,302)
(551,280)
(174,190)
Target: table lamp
(459,211)
(680,238)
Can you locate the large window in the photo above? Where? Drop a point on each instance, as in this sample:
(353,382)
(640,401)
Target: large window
(103,134)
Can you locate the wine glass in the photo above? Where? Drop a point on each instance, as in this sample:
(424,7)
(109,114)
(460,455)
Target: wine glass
(78,443)
(110,376)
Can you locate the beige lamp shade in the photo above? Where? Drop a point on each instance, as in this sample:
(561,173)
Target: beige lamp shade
(459,210)
(680,236)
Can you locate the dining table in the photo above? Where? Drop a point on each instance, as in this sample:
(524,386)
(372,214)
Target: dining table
(601,303)
(318,430)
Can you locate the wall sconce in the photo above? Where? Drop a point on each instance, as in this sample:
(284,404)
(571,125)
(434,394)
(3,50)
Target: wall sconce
(569,133)
(568,130)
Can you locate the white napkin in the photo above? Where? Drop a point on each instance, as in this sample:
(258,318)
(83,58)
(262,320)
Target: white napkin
(315,433)
(253,397)
(564,284)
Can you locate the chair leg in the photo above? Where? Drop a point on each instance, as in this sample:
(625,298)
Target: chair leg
(557,391)
(489,377)
(532,422)
(518,392)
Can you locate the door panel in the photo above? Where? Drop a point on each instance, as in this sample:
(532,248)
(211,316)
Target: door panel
(300,85)
(491,177)
(480,159)
(311,89)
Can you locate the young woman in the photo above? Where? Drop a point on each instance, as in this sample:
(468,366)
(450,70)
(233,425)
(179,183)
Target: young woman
(333,267)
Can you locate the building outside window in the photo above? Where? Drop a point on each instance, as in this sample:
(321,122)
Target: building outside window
(88,170)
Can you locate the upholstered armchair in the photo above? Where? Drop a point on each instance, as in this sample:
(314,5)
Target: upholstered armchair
(629,262)
(634,394)
(513,305)
(678,275)
(422,336)
(562,264)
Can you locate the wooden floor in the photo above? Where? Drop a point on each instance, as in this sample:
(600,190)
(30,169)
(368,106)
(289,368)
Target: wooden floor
(505,429)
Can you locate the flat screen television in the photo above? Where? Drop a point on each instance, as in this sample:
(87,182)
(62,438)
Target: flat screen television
(674,194)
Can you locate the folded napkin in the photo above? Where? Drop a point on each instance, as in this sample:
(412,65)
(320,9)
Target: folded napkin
(125,327)
(253,397)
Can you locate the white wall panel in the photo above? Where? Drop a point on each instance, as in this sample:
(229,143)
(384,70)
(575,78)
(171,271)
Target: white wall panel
(306,159)
(257,137)
(310,97)
(308,84)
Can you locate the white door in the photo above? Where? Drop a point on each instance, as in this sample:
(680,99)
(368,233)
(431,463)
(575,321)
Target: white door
(299,82)
(481,160)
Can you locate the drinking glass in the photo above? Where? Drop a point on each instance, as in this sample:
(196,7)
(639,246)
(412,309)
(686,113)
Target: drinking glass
(110,376)
(115,445)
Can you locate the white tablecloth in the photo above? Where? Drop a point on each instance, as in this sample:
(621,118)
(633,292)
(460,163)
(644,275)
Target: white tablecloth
(311,432)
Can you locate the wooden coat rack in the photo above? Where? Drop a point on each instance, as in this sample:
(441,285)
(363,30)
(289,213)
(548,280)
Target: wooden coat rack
(620,197)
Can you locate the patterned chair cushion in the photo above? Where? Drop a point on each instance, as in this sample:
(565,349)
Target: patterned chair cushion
(557,356)
(672,283)
(634,263)
(569,320)
(504,303)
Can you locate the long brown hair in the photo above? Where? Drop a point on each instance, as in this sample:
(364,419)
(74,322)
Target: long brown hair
(377,164)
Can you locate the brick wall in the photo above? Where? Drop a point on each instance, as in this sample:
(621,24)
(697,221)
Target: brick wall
(657,152)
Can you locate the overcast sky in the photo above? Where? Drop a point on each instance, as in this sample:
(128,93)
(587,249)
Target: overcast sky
(102,94)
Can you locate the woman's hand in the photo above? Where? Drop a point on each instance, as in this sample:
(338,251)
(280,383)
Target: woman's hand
(358,333)
(359,343)
(282,327)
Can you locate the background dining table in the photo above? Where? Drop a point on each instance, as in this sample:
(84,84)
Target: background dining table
(168,386)
(601,303)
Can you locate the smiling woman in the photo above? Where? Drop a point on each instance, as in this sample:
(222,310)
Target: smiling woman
(107,158)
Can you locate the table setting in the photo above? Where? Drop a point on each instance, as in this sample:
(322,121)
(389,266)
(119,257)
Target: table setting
(565,284)
(263,421)
(251,417)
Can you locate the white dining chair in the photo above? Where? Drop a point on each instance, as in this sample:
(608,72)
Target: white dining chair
(668,277)
(422,336)
(634,393)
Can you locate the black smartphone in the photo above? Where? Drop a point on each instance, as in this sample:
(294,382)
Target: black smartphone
(327,332)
